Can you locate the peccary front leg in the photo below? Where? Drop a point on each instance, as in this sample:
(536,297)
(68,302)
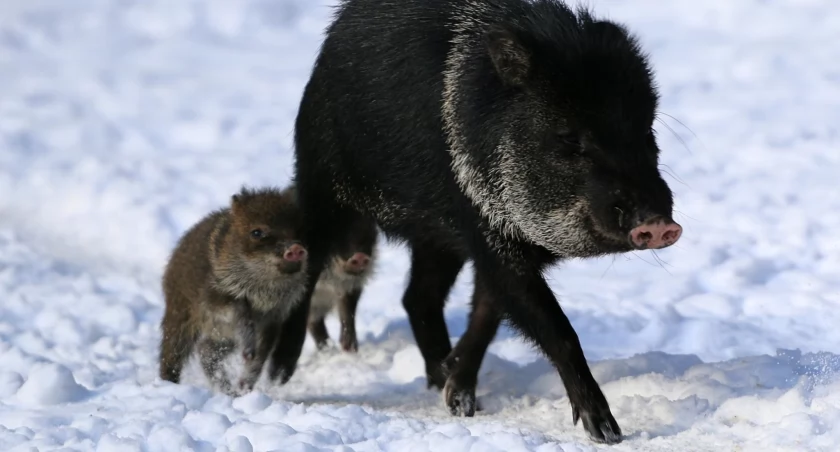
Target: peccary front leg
(211,353)
(323,219)
(433,272)
(347,316)
(254,366)
(463,364)
(290,341)
(177,338)
(246,330)
(520,291)
(291,332)
(318,329)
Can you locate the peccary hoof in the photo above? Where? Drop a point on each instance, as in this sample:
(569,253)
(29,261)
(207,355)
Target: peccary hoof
(601,427)
(349,343)
(459,399)
(435,377)
(282,373)
(245,386)
(322,345)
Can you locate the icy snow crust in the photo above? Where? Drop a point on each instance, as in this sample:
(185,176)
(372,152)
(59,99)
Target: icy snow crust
(123,122)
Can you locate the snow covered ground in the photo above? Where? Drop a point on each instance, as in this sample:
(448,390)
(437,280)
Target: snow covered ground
(124,121)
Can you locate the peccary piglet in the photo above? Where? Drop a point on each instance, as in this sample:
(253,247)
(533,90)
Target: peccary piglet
(233,280)
(341,283)
(514,134)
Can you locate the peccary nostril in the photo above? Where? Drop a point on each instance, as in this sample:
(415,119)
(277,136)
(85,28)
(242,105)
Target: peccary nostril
(672,233)
(656,233)
(294,253)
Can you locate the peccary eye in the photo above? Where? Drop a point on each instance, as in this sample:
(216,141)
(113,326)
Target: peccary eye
(257,233)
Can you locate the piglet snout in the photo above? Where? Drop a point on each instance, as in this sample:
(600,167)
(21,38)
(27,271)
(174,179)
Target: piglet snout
(294,253)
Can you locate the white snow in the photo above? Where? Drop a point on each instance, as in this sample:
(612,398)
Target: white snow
(50,384)
(123,122)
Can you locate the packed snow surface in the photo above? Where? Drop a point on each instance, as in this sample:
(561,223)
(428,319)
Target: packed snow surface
(122,122)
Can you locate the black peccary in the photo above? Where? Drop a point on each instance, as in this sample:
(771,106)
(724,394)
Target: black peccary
(514,134)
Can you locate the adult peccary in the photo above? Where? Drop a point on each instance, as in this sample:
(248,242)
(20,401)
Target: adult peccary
(510,133)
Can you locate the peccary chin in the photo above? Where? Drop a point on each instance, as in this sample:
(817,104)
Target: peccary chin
(563,117)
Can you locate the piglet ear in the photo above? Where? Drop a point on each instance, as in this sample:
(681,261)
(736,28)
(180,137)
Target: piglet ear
(238,199)
(510,57)
(235,203)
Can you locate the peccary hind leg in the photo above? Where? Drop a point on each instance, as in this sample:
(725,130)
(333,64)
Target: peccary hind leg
(433,272)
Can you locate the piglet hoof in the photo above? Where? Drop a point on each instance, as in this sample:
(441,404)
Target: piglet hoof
(349,343)
(600,426)
(281,373)
(322,345)
(245,386)
(284,376)
(227,389)
(459,399)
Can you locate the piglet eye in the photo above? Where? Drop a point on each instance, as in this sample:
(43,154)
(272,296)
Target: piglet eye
(257,233)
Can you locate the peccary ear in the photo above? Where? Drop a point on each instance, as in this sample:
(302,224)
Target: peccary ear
(235,203)
(237,199)
(511,59)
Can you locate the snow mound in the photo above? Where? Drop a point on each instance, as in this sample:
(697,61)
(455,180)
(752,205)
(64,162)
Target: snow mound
(50,384)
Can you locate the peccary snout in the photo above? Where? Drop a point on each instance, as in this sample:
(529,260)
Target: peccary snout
(294,253)
(655,233)
(357,263)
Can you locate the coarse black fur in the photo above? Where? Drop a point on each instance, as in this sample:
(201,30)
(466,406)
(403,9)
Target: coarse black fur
(514,134)
(228,283)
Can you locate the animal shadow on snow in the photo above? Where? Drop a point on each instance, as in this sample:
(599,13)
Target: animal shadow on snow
(657,393)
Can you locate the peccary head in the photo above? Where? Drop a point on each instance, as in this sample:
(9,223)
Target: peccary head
(355,254)
(258,253)
(266,231)
(550,122)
